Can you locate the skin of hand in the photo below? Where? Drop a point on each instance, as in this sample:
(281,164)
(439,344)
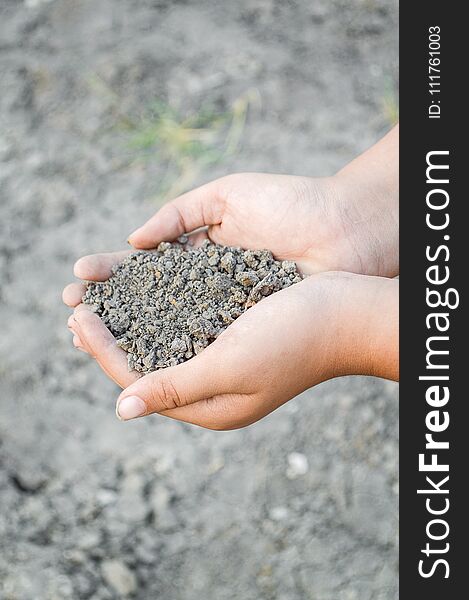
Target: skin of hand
(330,324)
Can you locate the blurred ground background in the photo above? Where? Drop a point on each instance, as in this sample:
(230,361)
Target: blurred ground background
(99,102)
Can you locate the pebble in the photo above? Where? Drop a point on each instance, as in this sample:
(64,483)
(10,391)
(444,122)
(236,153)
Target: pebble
(89,540)
(297,465)
(160,499)
(29,480)
(119,577)
(279,513)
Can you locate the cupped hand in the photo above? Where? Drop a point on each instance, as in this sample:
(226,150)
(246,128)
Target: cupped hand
(296,218)
(317,222)
(290,341)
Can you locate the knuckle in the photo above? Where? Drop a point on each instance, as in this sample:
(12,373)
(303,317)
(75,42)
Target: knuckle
(173,211)
(164,394)
(181,222)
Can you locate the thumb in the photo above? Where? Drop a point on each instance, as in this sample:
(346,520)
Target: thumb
(171,388)
(198,208)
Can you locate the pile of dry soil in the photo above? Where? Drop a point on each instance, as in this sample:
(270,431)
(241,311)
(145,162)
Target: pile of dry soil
(167,305)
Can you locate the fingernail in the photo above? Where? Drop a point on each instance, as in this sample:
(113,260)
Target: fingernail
(130,408)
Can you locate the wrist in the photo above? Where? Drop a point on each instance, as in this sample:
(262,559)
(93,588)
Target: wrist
(368,211)
(363,324)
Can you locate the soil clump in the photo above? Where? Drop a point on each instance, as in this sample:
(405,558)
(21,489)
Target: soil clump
(167,305)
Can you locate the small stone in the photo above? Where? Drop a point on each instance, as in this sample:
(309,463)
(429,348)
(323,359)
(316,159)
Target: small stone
(75,557)
(29,480)
(160,499)
(279,513)
(288,266)
(106,497)
(297,465)
(178,345)
(216,464)
(89,540)
(228,262)
(117,575)
(249,258)
(247,278)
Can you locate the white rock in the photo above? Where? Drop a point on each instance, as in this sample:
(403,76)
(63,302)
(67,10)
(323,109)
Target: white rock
(160,499)
(89,540)
(279,513)
(216,464)
(119,577)
(106,497)
(35,3)
(297,465)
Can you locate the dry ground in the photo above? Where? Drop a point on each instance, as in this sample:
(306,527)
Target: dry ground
(94,508)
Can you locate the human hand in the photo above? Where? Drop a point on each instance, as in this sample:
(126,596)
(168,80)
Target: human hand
(308,220)
(293,217)
(347,222)
(328,325)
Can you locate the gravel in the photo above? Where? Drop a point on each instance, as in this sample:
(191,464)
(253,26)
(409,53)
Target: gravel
(166,306)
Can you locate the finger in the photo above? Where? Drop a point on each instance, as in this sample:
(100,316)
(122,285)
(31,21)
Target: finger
(98,267)
(77,343)
(73,328)
(71,322)
(198,208)
(98,341)
(197,379)
(73,294)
